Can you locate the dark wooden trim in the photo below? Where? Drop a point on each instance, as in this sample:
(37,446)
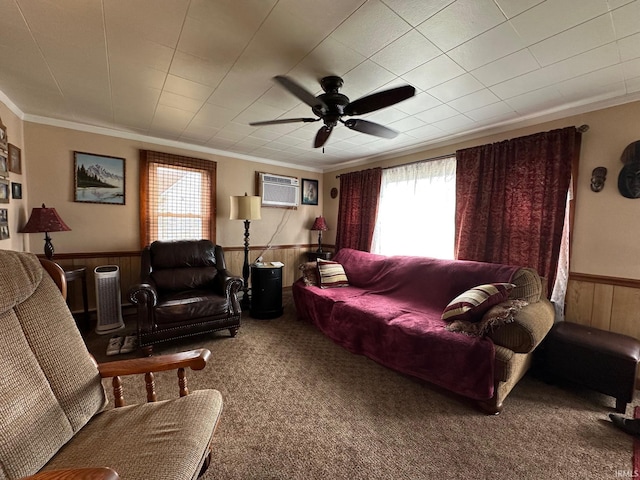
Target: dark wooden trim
(253,248)
(617,281)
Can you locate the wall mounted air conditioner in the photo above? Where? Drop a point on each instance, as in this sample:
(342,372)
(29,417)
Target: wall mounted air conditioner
(108,306)
(278,190)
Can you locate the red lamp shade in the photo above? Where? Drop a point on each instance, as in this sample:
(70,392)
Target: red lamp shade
(320,224)
(45,220)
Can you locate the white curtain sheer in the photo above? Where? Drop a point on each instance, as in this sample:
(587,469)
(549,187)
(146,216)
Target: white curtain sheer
(562,274)
(416,214)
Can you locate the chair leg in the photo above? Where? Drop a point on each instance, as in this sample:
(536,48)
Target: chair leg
(233,331)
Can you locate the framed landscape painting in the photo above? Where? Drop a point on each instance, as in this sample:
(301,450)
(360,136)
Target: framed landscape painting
(99,179)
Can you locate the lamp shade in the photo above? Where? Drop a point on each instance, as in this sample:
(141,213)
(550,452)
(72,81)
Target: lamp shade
(45,220)
(320,224)
(245,208)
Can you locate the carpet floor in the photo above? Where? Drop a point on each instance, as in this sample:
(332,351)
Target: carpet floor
(297,406)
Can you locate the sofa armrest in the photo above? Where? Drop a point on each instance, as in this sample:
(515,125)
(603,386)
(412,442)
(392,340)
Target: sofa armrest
(97,473)
(230,285)
(531,324)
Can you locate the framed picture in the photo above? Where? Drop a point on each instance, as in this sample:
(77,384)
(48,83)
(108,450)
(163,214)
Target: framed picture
(16,191)
(4,223)
(309,192)
(4,190)
(15,159)
(98,179)
(4,164)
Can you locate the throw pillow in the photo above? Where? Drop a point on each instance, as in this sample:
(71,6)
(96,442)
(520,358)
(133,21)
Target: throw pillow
(470,305)
(331,274)
(309,273)
(496,316)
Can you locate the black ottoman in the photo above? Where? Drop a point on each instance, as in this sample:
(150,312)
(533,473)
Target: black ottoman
(604,361)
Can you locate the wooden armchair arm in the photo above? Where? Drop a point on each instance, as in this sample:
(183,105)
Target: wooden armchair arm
(57,273)
(99,473)
(193,359)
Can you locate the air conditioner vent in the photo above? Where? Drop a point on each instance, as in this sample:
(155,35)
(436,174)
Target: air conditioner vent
(279,191)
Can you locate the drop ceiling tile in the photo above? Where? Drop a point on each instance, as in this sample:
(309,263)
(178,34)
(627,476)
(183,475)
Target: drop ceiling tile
(425,133)
(552,17)
(536,101)
(433,73)
(214,116)
(418,103)
(631,68)
(437,113)
(130,49)
(511,8)
(492,111)
(178,101)
(455,124)
(364,79)
(197,69)
(330,57)
(626,19)
(386,115)
(417,11)
(259,112)
(187,88)
(633,85)
(237,91)
(487,47)
(572,67)
(474,100)
(199,132)
(370,28)
(508,67)
(215,38)
(456,88)
(408,52)
(406,124)
(584,37)
(460,22)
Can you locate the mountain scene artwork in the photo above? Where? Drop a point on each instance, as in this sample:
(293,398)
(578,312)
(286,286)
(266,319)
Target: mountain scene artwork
(99,179)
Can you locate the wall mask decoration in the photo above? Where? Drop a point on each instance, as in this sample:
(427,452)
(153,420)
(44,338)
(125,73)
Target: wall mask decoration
(629,178)
(598,177)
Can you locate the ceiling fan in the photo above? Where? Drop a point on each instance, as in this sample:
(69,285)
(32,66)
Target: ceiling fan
(332,105)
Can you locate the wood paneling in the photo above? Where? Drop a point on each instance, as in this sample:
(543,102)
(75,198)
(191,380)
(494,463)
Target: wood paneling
(129,264)
(606,303)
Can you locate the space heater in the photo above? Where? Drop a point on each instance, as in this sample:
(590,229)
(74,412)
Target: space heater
(108,306)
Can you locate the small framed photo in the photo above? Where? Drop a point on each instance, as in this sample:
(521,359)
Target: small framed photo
(4,190)
(98,179)
(309,192)
(4,223)
(16,191)
(15,159)
(4,165)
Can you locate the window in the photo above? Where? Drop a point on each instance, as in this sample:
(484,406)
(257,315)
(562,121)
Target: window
(416,213)
(177,197)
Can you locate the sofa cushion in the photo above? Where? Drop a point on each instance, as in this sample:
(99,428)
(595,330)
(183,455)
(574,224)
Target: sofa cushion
(470,305)
(496,316)
(135,440)
(309,273)
(331,274)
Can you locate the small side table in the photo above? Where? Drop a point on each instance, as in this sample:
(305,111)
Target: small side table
(313,256)
(80,273)
(266,291)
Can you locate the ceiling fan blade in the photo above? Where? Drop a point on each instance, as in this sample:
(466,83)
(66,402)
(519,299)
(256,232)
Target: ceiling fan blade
(283,120)
(370,128)
(322,136)
(379,100)
(299,91)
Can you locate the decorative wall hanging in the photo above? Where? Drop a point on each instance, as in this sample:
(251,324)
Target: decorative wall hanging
(598,177)
(99,179)
(309,192)
(16,191)
(4,223)
(15,159)
(4,190)
(629,178)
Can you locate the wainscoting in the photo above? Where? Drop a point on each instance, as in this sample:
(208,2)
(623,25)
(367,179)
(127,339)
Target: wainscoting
(607,303)
(129,263)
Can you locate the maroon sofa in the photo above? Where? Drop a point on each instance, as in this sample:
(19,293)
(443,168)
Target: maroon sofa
(391,312)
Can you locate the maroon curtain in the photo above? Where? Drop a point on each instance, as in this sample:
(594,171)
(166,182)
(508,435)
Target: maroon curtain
(511,199)
(358,208)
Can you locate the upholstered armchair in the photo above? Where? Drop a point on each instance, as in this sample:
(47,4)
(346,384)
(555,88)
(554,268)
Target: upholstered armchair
(54,419)
(185,290)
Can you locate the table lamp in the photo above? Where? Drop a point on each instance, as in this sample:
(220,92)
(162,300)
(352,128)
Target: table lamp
(45,220)
(320,225)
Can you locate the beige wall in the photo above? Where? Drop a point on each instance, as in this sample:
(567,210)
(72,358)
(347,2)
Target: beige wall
(607,226)
(17,209)
(105,228)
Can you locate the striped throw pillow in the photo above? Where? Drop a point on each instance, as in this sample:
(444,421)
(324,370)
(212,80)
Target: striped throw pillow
(331,274)
(472,304)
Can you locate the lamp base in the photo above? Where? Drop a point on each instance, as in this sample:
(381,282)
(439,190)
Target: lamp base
(48,246)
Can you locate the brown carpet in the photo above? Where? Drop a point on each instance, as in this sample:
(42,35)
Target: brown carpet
(297,406)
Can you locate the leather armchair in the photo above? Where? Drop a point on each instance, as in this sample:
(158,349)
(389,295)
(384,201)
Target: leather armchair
(185,290)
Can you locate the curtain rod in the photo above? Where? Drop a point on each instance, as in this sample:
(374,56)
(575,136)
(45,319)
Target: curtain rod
(582,129)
